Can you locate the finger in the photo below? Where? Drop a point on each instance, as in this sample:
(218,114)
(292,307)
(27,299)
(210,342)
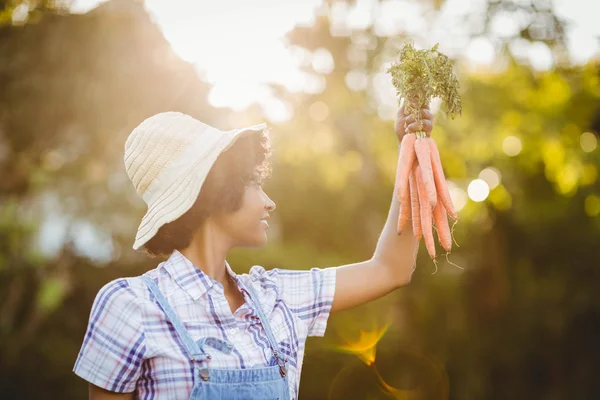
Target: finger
(400,127)
(411,120)
(425,126)
(401,111)
(426,114)
(401,119)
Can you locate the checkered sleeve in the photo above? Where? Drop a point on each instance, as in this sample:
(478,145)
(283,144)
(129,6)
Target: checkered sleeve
(114,345)
(309,295)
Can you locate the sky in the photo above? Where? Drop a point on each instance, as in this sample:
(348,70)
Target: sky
(237,44)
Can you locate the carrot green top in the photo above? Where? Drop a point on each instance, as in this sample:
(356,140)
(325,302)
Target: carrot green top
(420,75)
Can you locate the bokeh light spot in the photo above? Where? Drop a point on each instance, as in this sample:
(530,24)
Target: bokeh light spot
(356,80)
(481,51)
(566,179)
(491,176)
(458,196)
(588,142)
(512,146)
(322,61)
(478,190)
(318,111)
(592,205)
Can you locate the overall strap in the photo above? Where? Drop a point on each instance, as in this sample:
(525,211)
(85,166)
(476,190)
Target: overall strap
(265,323)
(192,348)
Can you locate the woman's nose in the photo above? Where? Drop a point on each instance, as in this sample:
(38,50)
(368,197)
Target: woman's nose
(270,204)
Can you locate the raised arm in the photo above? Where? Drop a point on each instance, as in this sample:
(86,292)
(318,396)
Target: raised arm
(393,261)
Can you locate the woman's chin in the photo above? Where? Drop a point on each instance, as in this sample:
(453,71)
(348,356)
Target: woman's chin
(264,240)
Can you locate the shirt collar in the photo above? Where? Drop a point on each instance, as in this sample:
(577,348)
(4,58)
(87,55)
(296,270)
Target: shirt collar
(191,278)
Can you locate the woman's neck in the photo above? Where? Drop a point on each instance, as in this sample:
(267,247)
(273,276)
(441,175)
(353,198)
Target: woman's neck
(208,251)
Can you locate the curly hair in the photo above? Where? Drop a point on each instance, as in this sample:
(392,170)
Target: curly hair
(247,161)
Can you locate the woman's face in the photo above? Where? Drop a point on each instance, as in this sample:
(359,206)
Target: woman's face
(247,227)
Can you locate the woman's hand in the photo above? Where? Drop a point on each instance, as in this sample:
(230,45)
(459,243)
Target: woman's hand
(407,124)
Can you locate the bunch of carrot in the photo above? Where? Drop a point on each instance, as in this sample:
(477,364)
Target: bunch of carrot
(419,76)
(422,190)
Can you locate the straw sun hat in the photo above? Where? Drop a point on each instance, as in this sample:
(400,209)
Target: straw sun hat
(167,158)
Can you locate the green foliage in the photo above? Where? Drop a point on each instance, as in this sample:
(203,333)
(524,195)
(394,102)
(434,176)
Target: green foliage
(33,9)
(421,75)
(51,294)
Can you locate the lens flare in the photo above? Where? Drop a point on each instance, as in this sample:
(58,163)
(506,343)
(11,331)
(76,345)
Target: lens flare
(365,346)
(419,377)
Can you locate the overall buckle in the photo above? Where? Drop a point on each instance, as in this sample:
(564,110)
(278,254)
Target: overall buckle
(282,370)
(204,374)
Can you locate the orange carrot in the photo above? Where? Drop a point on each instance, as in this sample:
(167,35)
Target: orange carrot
(404,216)
(426,214)
(441,222)
(414,201)
(424,157)
(406,159)
(440,180)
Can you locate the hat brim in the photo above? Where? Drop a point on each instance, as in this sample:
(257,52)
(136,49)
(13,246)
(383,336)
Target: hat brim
(177,199)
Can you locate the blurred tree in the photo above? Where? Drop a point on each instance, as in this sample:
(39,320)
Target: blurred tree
(17,12)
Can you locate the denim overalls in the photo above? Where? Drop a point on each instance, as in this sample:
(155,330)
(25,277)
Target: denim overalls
(268,383)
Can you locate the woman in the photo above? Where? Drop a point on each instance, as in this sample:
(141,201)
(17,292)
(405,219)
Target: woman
(192,327)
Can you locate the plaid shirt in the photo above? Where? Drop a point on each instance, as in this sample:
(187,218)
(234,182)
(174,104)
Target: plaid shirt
(129,345)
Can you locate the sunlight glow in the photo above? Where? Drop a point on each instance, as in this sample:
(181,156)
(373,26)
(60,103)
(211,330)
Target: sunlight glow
(238,51)
(277,110)
(239,45)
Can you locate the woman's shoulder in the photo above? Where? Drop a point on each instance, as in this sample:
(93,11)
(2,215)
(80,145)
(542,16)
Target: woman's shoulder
(118,302)
(132,288)
(117,291)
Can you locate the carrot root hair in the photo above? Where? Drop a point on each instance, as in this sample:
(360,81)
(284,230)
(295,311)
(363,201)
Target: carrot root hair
(451,263)
(435,262)
(452,232)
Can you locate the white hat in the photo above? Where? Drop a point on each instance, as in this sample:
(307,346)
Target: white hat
(167,158)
